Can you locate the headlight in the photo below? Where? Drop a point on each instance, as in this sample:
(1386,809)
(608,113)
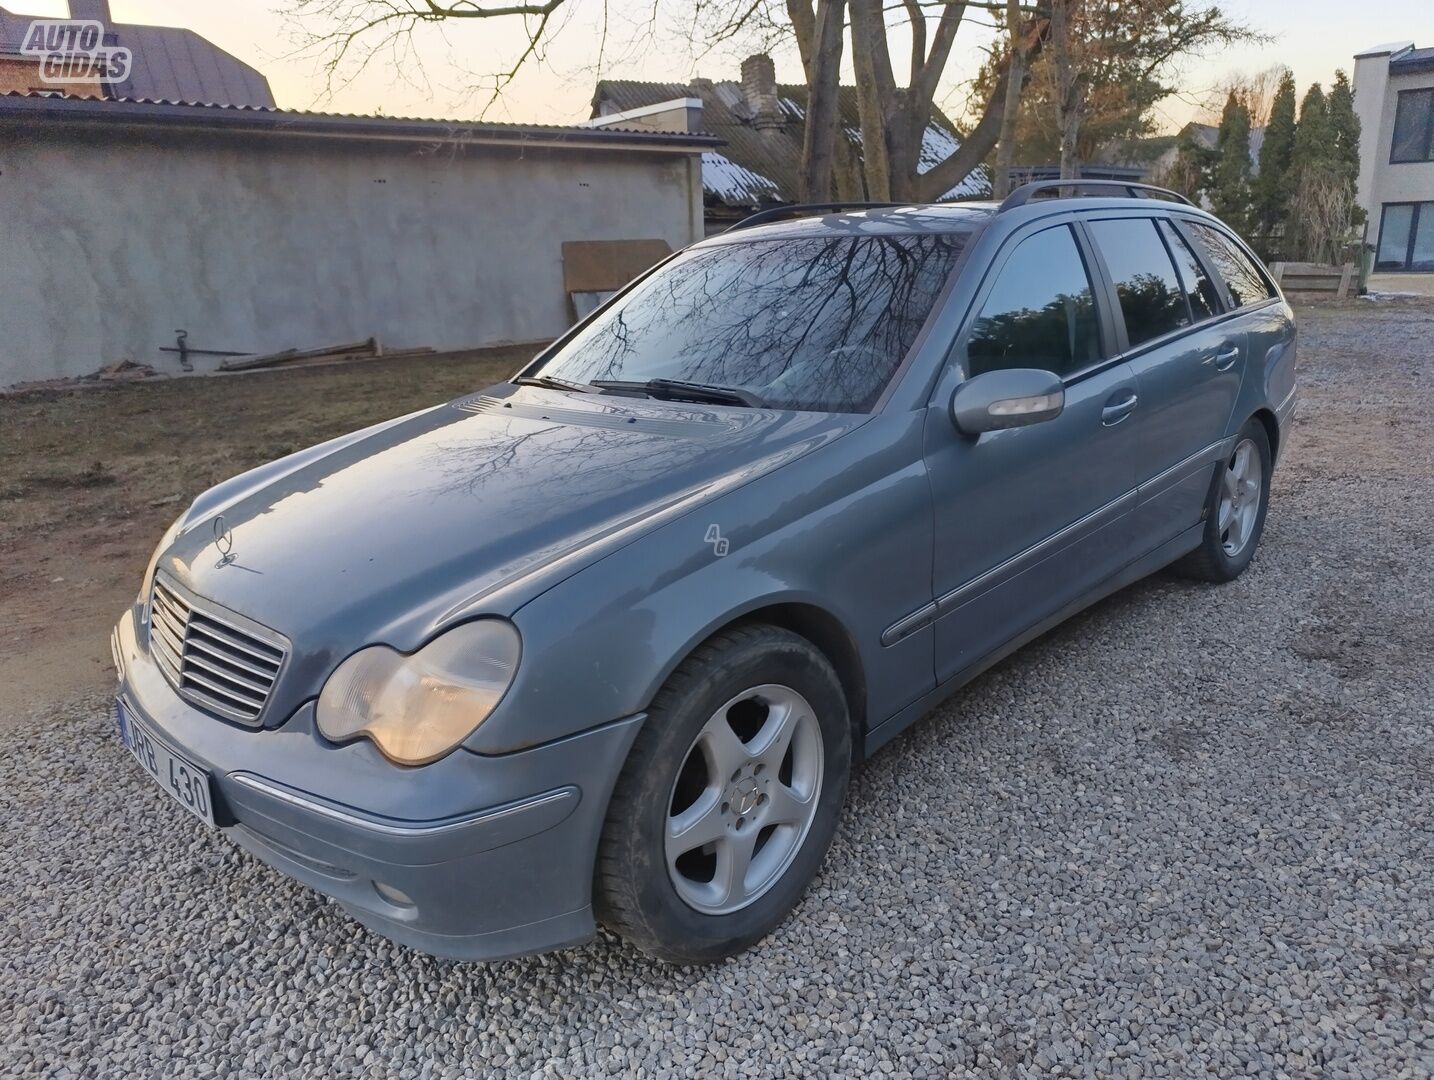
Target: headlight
(164,542)
(418,707)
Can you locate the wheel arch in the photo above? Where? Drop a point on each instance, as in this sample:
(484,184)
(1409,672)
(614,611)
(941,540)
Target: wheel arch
(1272,431)
(830,636)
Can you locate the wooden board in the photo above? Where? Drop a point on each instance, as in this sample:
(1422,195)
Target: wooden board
(605,265)
(1295,277)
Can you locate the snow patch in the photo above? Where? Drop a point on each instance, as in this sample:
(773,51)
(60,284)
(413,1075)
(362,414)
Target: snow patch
(732,183)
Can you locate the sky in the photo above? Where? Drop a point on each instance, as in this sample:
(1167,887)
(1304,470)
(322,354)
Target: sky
(442,75)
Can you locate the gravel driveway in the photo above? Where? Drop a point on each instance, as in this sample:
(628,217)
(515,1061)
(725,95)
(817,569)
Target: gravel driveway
(1188,831)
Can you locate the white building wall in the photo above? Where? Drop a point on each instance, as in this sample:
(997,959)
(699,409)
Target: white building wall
(1376,99)
(109,243)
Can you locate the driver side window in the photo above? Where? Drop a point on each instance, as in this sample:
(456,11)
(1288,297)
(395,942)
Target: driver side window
(1040,313)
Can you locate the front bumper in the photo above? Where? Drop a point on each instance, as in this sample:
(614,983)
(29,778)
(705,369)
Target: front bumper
(471,857)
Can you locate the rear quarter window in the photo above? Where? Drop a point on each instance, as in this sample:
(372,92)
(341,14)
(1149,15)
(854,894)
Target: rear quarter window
(1246,282)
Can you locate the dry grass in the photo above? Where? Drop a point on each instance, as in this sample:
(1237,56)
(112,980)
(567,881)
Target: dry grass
(90,477)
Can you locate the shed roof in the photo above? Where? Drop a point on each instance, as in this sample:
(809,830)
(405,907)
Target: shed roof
(36,109)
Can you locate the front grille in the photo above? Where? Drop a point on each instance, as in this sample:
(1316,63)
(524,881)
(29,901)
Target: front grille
(210,658)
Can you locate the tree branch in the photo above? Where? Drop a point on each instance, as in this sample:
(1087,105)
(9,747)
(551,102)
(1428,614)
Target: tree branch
(980,140)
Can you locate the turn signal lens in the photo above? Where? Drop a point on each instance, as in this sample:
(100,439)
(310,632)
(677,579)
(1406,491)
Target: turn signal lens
(416,708)
(1021,406)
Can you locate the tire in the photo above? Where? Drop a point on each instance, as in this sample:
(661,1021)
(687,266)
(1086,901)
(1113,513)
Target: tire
(752,682)
(1222,555)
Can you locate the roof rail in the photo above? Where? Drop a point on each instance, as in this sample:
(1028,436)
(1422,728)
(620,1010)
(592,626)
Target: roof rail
(792,210)
(1026,192)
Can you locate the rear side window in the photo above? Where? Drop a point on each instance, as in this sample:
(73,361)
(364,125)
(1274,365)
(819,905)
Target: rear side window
(1247,285)
(1151,296)
(1199,289)
(1040,313)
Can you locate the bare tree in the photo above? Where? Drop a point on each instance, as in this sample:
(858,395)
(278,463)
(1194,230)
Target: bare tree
(1324,207)
(819,39)
(1127,48)
(347,35)
(1016,75)
(1255,91)
(1070,82)
(894,120)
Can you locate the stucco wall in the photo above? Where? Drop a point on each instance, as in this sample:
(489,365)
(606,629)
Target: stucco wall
(1376,97)
(110,243)
(1411,181)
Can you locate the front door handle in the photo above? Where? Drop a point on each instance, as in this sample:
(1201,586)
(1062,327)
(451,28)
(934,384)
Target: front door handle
(1225,359)
(1118,408)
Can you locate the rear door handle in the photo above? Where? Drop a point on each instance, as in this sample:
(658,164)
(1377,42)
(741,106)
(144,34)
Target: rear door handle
(1225,359)
(1120,406)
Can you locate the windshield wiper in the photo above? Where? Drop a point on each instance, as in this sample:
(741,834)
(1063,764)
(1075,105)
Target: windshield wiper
(552,382)
(682,390)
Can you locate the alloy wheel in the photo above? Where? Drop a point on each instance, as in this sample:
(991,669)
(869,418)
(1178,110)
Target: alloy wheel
(744,799)
(1240,498)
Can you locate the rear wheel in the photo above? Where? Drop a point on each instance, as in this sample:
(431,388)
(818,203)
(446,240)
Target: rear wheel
(1234,510)
(729,798)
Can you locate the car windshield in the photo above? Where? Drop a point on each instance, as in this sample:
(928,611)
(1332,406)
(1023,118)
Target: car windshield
(816,323)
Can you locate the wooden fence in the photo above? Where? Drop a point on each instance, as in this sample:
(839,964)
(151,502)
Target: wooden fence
(1315,280)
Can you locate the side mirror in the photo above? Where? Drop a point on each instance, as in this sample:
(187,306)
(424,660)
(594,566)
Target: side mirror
(1010,398)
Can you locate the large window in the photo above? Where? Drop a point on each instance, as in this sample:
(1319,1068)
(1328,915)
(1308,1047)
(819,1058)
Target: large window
(1040,313)
(1151,297)
(1406,237)
(1246,283)
(819,323)
(1413,127)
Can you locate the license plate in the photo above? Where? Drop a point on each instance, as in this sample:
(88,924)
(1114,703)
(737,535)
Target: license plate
(186,781)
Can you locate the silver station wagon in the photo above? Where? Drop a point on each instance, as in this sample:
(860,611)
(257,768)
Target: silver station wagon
(603,642)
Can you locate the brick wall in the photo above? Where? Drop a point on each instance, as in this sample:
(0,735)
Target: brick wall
(23,74)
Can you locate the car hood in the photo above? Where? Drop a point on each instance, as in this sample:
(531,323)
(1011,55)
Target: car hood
(387,534)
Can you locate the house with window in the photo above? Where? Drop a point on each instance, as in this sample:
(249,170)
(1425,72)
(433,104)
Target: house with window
(170,63)
(1394,99)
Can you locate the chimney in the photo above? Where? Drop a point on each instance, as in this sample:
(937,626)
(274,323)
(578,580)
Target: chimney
(98,10)
(759,88)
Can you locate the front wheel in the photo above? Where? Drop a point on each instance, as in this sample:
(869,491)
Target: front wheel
(729,798)
(1234,510)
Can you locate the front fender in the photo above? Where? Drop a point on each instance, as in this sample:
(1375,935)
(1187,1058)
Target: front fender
(846,529)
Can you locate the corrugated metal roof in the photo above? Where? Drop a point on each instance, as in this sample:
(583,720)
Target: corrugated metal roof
(177,64)
(253,119)
(170,63)
(760,166)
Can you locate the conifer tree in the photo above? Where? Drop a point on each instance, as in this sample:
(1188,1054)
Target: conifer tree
(1323,210)
(1274,187)
(1230,182)
(1312,134)
(1344,134)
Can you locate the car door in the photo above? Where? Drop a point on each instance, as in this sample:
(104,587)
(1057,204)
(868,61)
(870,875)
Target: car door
(1187,358)
(1028,519)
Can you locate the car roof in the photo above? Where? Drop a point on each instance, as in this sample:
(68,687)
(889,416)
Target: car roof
(917,219)
(869,221)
